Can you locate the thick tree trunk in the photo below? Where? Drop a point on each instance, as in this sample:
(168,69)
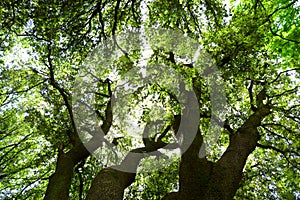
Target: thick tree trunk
(227,173)
(194,171)
(60,182)
(201,179)
(110,184)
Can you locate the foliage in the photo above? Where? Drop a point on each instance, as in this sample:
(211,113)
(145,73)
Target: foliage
(43,45)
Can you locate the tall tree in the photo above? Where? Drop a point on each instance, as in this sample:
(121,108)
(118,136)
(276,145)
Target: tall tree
(254,45)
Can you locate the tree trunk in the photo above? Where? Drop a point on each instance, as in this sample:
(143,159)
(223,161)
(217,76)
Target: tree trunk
(110,184)
(60,182)
(201,179)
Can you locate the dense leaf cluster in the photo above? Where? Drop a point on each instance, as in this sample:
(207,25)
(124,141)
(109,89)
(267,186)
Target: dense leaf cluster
(43,46)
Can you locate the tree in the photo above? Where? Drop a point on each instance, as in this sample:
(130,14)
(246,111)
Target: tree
(254,45)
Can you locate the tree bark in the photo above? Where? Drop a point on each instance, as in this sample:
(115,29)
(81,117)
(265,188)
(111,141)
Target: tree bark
(60,182)
(227,172)
(110,184)
(201,179)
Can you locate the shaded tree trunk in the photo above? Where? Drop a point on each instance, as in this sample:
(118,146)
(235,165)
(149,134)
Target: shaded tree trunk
(60,182)
(201,179)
